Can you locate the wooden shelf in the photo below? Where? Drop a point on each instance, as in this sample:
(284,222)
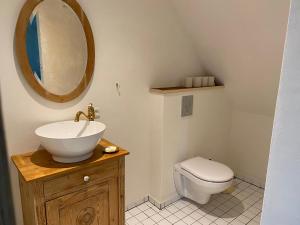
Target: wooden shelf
(171,90)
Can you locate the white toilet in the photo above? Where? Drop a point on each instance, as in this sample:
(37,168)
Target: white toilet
(198,178)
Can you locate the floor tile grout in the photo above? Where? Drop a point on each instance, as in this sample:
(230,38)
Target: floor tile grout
(228,203)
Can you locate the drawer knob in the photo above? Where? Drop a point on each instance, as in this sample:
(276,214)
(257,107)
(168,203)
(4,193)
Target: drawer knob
(86,178)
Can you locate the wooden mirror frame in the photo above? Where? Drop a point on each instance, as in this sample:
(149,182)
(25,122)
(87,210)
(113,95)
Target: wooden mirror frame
(21,52)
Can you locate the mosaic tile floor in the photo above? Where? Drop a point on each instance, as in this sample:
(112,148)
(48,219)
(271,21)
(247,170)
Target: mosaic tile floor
(243,206)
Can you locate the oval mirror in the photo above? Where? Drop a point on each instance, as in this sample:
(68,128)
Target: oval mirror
(55,48)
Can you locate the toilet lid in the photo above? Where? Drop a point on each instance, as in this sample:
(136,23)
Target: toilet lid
(207,170)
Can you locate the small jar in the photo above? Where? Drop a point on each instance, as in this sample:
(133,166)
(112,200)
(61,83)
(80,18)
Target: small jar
(188,82)
(197,82)
(205,81)
(211,81)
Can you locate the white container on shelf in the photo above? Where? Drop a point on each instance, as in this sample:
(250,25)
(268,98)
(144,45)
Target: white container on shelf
(188,82)
(211,81)
(205,81)
(197,82)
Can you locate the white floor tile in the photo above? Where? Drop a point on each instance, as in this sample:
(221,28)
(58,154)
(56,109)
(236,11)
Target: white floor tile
(243,185)
(127,215)
(172,208)
(180,222)
(253,223)
(228,218)
(249,214)
(143,207)
(148,222)
(188,220)
(240,209)
(134,211)
(258,205)
(224,207)
(243,219)
(142,216)
(209,207)
(139,223)
(132,221)
(149,212)
(215,203)
(188,210)
(180,214)
(229,204)
(197,223)
(211,217)
(254,210)
(180,204)
(204,221)
(236,222)
(156,218)
(192,206)
(172,219)
(164,222)
(257,218)
(164,213)
(218,212)
(233,213)
(201,212)
(220,222)
(156,209)
(196,215)
(149,204)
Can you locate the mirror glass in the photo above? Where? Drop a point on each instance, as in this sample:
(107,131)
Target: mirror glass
(56,47)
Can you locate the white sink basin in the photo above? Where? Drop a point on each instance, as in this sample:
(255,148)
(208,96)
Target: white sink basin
(70,141)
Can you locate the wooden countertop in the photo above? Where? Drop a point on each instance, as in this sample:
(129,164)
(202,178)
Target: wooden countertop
(172,90)
(39,164)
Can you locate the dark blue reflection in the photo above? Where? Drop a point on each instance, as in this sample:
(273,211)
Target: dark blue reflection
(32,46)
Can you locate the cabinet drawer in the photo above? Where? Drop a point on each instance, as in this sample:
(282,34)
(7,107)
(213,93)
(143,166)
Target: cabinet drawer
(77,180)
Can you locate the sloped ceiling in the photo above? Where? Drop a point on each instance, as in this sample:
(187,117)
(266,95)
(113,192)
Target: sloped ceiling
(241,43)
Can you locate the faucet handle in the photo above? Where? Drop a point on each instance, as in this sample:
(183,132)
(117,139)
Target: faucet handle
(91,108)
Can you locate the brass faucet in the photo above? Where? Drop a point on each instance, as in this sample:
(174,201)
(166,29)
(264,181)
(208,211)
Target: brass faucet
(90,116)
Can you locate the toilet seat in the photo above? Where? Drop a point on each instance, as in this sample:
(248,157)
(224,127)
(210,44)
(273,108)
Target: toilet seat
(207,170)
(198,178)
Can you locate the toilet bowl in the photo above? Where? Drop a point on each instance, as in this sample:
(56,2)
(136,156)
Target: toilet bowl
(198,178)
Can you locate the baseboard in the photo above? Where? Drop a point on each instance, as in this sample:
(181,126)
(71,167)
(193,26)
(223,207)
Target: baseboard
(161,205)
(253,181)
(153,201)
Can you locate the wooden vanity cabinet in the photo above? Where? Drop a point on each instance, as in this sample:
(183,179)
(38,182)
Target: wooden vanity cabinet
(86,193)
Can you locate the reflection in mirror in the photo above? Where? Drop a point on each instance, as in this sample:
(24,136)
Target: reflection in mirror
(56,47)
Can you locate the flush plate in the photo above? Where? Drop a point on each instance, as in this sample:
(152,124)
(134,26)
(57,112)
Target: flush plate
(187,105)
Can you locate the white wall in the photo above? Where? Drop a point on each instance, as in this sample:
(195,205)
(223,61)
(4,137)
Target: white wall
(282,199)
(204,133)
(241,42)
(140,44)
(249,144)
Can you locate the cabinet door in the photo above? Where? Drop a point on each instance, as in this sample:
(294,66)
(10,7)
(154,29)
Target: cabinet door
(94,205)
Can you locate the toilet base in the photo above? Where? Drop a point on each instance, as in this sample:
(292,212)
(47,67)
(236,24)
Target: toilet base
(194,192)
(200,198)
